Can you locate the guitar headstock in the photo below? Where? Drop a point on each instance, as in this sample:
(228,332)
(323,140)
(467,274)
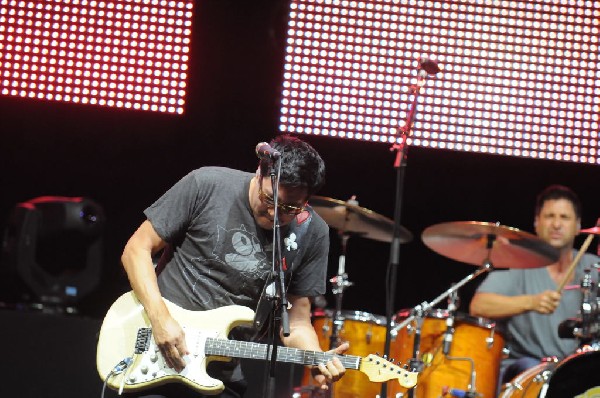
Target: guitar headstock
(379,369)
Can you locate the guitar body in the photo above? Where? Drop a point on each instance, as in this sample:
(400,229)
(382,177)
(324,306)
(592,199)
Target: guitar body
(128,359)
(120,330)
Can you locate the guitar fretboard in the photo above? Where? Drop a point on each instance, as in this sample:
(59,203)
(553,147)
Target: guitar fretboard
(245,349)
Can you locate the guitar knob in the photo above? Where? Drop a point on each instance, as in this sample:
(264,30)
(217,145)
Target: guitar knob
(144,369)
(153,357)
(132,378)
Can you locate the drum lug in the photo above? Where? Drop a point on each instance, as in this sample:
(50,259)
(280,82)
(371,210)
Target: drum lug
(516,385)
(393,334)
(490,339)
(325,328)
(542,377)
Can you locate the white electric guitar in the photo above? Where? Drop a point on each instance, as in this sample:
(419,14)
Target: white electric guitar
(129,360)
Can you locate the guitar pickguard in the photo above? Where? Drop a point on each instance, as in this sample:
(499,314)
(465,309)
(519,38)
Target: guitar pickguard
(149,365)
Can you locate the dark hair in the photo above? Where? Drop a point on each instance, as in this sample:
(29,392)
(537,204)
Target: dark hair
(301,165)
(555,192)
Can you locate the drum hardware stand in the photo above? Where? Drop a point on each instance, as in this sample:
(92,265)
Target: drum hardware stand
(453,304)
(340,282)
(587,327)
(423,309)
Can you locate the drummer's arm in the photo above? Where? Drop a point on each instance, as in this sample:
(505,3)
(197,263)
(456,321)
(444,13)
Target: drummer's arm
(493,305)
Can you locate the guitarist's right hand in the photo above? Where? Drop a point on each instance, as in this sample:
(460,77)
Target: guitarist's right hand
(170,339)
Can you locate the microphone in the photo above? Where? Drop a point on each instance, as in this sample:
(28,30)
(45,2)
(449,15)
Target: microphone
(428,65)
(266,151)
(449,334)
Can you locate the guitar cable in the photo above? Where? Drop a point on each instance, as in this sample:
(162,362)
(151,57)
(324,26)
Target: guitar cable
(119,368)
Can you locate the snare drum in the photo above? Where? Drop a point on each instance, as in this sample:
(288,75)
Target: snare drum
(476,347)
(576,376)
(366,334)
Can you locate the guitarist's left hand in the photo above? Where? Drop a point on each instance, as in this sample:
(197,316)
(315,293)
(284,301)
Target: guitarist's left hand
(327,373)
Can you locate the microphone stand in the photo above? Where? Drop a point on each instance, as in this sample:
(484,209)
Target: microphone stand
(400,165)
(280,303)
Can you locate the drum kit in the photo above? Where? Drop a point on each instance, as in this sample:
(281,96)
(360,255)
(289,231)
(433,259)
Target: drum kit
(456,354)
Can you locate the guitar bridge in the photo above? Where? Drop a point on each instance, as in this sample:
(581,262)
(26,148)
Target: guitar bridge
(142,341)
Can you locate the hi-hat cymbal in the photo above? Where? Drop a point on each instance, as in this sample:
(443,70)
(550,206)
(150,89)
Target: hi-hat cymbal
(475,242)
(352,219)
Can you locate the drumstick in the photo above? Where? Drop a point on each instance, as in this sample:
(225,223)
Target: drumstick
(582,250)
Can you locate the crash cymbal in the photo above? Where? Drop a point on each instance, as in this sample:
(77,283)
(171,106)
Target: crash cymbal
(475,242)
(352,219)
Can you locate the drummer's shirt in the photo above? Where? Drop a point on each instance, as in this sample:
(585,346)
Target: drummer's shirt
(532,334)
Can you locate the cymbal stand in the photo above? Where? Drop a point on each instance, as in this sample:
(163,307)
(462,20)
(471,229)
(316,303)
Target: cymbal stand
(421,310)
(340,282)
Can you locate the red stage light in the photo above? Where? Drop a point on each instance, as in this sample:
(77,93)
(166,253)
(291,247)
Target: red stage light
(131,55)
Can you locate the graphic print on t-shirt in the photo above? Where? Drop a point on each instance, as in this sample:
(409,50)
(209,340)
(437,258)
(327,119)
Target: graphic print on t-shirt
(238,259)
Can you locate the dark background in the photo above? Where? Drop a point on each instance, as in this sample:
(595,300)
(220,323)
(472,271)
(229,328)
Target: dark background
(124,160)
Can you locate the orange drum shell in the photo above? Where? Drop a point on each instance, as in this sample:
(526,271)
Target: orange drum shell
(474,338)
(526,384)
(366,334)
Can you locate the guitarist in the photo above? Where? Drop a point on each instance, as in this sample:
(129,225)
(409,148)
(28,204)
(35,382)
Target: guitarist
(214,228)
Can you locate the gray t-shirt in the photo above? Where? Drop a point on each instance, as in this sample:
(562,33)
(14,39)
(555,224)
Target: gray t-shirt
(532,334)
(220,256)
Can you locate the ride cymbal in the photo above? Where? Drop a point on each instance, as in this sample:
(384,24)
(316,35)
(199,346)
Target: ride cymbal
(474,242)
(352,219)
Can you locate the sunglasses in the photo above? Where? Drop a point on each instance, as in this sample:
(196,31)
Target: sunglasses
(269,201)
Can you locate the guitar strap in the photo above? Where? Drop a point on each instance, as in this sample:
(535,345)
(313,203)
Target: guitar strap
(291,245)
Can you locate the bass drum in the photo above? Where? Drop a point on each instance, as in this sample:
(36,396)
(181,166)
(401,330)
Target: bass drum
(576,376)
(366,334)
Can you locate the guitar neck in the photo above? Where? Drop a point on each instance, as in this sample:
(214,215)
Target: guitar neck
(244,349)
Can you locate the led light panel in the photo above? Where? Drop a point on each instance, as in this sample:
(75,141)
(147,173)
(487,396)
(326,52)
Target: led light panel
(517,78)
(125,54)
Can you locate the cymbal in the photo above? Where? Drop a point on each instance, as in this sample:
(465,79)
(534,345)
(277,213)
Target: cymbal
(475,242)
(352,219)
(591,231)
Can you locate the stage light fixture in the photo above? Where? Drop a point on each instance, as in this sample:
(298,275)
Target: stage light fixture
(52,251)
(521,67)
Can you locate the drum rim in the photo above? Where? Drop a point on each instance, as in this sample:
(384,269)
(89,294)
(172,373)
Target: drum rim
(514,385)
(440,313)
(352,315)
(435,313)
(485,323)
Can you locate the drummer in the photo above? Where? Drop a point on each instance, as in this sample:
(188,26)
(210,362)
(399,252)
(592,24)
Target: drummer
(526,301)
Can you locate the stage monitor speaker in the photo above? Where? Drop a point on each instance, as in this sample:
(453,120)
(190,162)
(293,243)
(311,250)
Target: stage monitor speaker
(49,355)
